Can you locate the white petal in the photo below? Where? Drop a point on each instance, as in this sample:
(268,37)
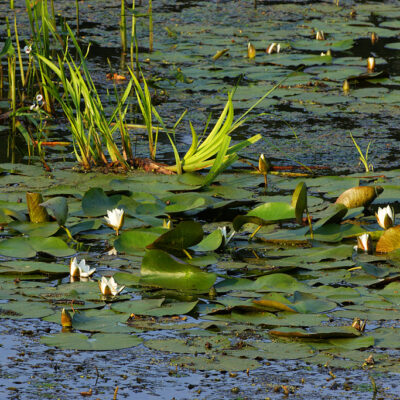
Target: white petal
(88,273)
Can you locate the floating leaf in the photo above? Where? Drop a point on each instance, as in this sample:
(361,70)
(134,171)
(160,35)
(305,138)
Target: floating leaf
(24,309)
(389,241)
(322,332)
(32,267)
(265,214)
(211,242)
(333,214)
(360,196)
(164,270)
(154,307)
(41,229)
(58,207)
(95,202)
(135,241)
(98,341)
(186,234)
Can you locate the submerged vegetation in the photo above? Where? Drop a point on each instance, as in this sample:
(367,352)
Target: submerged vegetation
(228,271)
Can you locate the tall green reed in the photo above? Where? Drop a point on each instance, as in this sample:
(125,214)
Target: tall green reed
(92,130)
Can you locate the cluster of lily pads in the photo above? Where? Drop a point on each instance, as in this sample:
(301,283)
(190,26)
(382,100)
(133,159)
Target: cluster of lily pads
(282,293)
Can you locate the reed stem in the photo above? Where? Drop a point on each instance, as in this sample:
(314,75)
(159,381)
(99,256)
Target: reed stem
(150,26)
(122,27)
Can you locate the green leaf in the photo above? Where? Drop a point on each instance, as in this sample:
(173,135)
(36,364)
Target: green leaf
(52,245)
(265,214)
(299,201)
(17,247)
(99,341)
(58,207)
(211,242)
(42,229)
(8,48)
(95,202)
(164,270)
(155,307)
(184,235)
(134,241)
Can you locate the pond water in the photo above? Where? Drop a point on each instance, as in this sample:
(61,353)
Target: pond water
(201,318)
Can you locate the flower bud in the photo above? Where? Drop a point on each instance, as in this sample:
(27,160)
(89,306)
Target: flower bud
(371,64)
(251,51)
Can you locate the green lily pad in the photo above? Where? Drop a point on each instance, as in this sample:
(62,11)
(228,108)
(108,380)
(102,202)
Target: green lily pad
(186,234)
(58,207)
(98,341)
(164,270)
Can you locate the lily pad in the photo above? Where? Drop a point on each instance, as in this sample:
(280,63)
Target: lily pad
(164,270)
(98,341)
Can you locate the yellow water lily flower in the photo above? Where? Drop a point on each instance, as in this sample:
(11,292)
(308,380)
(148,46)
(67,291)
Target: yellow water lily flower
(115,219)
(385,217)
(81,270)
(109,287)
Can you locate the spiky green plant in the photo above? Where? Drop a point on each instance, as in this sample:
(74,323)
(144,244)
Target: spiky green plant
(90,127)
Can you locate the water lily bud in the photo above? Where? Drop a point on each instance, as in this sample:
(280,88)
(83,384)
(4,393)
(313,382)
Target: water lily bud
(329,52)
(346,86)
(264,165)
(115,219)
(320,35)
(167,224)
(212,293)
(66,319)
(251,51)
(385,217)
(364,242)
(371,64)
(374,37)
(358,324)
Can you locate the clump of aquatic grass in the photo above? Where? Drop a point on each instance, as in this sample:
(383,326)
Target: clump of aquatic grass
(363,157)
(91,128)
(213,152)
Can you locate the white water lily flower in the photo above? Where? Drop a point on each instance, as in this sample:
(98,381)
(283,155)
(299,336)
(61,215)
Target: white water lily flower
(112,252)
(109,286)
(115,219)
(27,49)
(364,242)
(385,217)
(273,48)
(225,236)
(80,270)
